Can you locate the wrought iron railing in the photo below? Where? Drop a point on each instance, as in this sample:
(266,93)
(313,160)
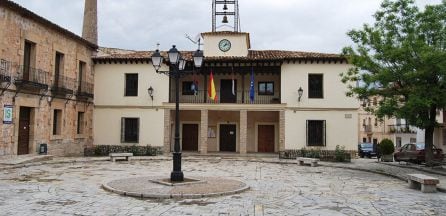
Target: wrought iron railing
(5,70)
(367,128)
(63,85)
(402,128)
(31,77)
(85,89)
(241,97)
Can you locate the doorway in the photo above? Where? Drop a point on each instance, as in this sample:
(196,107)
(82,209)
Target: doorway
(228,137)
(265,141)
(190,137)
(24,130)
(226,94)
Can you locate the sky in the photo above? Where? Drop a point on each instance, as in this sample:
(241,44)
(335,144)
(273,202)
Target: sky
(300,25)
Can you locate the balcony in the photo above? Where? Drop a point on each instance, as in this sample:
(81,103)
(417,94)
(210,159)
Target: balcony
(63,86)
(401,129)
(5,71)
(31,78)
(367,128)
(85,91)
(241,97)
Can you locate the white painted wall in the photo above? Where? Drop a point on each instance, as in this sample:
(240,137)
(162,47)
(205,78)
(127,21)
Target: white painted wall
(109,86)
(107,126)
(239,44)
(296,75)
(340,130)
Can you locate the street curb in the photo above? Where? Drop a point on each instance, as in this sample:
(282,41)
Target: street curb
(416,168)
(440,189)
(108,188)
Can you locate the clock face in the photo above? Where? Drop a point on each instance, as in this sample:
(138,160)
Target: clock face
(224,45)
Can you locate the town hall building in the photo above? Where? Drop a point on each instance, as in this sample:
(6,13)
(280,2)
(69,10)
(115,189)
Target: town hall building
(266,100)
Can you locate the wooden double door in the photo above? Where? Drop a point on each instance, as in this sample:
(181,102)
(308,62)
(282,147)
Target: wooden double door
(265,139)
(24,130)
(190,137)
(228,137)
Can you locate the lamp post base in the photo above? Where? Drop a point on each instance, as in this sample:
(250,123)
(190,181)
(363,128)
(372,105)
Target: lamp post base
(176,176)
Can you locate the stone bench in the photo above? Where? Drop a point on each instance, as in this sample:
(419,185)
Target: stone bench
(428,183)
(303,160)
(114,156)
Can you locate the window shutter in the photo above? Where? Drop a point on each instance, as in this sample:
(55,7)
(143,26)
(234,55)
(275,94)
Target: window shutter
(307,133)
(324,132)
(137,130)
(122,130)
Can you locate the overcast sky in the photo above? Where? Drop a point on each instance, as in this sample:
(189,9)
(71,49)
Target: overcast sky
(303,25)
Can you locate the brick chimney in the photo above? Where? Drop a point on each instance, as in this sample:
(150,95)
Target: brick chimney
(90,26)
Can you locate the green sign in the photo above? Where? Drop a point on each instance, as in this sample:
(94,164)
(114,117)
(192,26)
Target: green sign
(7,114)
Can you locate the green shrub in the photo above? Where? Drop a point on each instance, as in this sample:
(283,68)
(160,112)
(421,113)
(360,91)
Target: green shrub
(105,150)
(386,147)
(340,154)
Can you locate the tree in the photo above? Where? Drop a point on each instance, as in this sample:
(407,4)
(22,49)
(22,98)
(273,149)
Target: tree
(401,58)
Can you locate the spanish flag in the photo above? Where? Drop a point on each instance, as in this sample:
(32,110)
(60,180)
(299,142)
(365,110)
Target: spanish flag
(211,89)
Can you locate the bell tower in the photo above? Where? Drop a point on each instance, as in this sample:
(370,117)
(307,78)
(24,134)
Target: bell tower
(226,10)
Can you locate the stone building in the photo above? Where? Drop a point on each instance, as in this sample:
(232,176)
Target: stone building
(267,100)
(374,130)
(46,75)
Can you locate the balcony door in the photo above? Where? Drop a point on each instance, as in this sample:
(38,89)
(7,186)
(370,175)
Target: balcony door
(226,94)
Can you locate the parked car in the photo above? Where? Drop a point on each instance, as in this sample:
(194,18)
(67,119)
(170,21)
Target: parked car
(414,152)
(367,150)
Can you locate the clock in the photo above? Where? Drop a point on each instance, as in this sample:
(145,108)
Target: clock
(224,45)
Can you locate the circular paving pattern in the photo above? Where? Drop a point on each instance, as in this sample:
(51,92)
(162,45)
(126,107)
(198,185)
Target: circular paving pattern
(154,188)
(275,189)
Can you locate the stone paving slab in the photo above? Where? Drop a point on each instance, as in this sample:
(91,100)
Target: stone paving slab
(277,188)
(23,159)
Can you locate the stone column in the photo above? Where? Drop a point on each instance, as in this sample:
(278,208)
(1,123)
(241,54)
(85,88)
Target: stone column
(167,131)
(282,130)
(243,131)
(203,145)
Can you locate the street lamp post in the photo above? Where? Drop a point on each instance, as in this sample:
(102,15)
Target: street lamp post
(177,65)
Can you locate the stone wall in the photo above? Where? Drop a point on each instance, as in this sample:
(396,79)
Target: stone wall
(15,30)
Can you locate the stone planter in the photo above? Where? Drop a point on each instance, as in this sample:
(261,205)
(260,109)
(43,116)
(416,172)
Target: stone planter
(387,158)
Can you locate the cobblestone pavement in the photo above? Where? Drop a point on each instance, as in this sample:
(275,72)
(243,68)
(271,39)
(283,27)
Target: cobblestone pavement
(276,189)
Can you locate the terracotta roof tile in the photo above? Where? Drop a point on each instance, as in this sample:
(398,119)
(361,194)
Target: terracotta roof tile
(253,55)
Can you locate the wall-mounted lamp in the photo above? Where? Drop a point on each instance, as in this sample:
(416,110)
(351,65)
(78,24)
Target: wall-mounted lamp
(150,91)
(300,92)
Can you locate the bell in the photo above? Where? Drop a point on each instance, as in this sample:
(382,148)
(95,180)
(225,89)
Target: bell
(225,19)
(225,7)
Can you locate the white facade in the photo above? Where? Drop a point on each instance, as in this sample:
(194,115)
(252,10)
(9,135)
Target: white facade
(278,112)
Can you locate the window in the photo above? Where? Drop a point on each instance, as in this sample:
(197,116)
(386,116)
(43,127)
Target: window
(376,122)
(364,139)
(316,133)
(315,86)
(82,69)
(131,84)
(188,88)
(129,130)
(57,122)
(29,57)
(266,88)
(80,122)
(58,68)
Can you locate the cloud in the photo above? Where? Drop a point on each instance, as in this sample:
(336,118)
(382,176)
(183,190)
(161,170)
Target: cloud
(306,25)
